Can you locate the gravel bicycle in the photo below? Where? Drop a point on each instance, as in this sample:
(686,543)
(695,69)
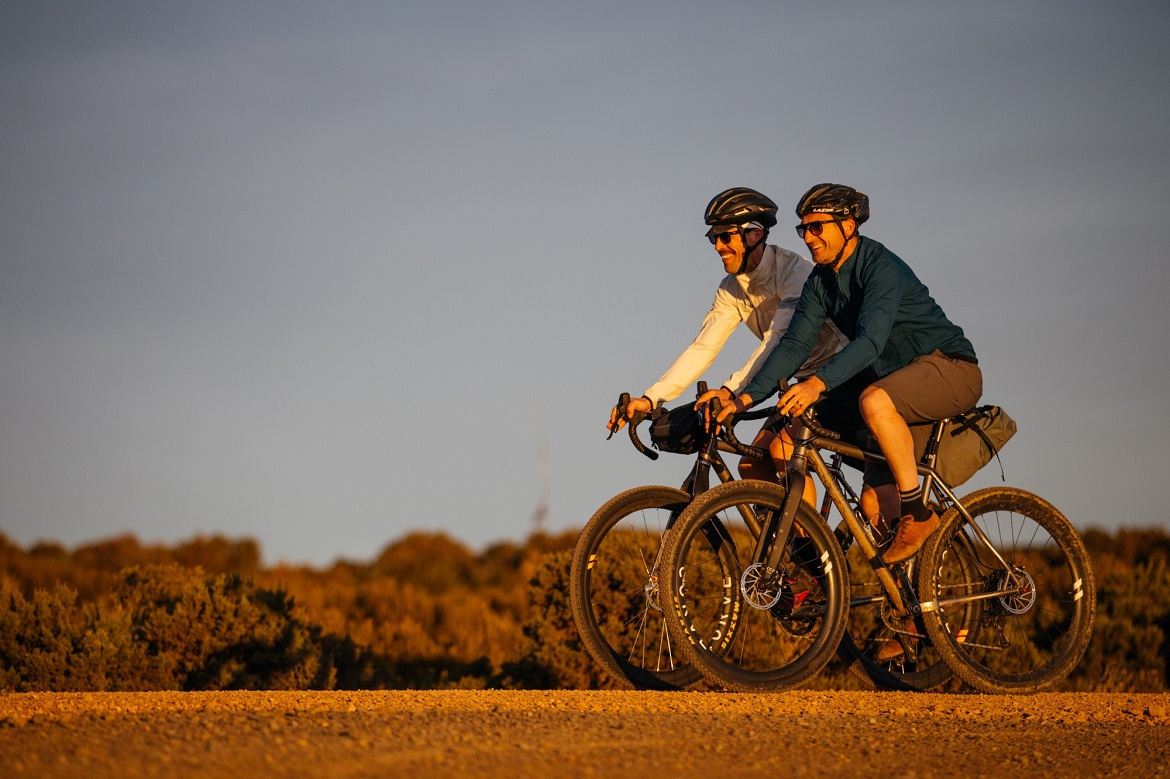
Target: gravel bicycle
(615,570)
(615,577)
(760,586)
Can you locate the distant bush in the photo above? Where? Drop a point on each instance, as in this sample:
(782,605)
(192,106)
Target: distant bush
(92,568)
(1131,638)
(426,612)
(164,628)
(48,643)
(223,632)
(552,656)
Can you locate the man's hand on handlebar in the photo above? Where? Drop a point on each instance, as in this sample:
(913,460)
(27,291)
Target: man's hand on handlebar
(617,419)
(800,396)
(725,396)
(738,405)
(724,403)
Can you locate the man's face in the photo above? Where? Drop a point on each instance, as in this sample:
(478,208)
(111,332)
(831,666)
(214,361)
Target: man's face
(730,245)
(826,246)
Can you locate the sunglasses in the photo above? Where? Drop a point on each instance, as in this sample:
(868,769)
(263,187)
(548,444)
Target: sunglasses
(816,228)
(724,236)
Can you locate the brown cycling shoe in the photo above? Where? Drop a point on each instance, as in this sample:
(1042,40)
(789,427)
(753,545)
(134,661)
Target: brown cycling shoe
(894,648)
(910,537)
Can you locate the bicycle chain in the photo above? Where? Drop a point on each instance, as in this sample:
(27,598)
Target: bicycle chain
(889,621)
(995,623)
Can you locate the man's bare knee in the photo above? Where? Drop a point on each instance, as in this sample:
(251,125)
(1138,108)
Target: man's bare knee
(875,401)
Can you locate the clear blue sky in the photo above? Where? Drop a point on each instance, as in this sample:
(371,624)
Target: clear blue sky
(321,274)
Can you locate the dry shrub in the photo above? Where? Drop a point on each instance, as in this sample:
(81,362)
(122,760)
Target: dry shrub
(48,642)
(1131,637)
(165,627)
(426,612)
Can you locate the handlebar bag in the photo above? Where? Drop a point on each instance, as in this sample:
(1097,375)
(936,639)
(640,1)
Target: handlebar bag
(679,430)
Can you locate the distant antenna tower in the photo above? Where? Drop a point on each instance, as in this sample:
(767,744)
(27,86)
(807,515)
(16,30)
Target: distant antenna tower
(540,515)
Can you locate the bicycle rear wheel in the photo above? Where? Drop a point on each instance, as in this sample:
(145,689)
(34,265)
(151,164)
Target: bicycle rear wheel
(1035,615)
(614,590)
(741,628)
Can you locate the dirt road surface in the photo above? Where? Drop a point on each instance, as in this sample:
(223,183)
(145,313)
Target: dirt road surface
(483,735)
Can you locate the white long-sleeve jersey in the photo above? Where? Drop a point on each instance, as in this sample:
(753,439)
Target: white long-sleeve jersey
(763,299)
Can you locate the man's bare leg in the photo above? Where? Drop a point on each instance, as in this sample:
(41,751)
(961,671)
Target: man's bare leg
(897,444)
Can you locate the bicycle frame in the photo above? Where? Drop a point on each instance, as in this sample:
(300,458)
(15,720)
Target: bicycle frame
(807,446)
(770,541)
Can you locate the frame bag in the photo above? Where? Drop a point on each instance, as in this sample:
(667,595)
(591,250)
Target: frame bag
(970,440)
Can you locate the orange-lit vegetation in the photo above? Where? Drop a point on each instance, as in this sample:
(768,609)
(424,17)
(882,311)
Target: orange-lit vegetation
(425,613)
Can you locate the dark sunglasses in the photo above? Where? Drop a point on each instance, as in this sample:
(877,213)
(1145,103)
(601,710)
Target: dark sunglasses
(816,228)
(724,236)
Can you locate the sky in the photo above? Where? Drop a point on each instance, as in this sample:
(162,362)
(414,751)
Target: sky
(323,274)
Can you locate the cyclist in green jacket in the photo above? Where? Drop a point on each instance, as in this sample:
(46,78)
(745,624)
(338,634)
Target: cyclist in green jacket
(926,368)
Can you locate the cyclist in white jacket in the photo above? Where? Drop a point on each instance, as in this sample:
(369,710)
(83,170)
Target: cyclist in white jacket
(761,288)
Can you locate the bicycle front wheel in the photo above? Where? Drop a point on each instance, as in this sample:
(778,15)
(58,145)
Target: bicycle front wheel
(745,628)
(1032,587)
(613,589)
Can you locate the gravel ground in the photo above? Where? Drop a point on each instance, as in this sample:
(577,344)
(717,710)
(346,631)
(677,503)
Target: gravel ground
(490,734)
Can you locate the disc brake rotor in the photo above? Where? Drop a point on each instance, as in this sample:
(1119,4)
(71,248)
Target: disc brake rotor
(761,586)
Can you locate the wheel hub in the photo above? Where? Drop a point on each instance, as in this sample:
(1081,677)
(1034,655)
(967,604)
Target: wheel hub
(1023,598)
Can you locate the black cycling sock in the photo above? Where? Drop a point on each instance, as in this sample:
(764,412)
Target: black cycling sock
(914,505)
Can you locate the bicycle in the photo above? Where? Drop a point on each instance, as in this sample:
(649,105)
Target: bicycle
(760,587)
(614,578)
(614,575)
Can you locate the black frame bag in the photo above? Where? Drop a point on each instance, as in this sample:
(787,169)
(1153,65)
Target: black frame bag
(970,440)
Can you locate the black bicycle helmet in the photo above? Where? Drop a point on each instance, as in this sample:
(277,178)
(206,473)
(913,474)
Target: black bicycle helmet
(836,199)
(740,205)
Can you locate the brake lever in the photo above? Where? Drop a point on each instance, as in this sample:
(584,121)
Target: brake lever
(623,406)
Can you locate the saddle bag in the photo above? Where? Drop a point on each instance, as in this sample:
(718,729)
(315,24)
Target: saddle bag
(970,441)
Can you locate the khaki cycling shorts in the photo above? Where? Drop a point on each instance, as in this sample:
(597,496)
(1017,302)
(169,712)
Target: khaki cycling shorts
(930,388)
